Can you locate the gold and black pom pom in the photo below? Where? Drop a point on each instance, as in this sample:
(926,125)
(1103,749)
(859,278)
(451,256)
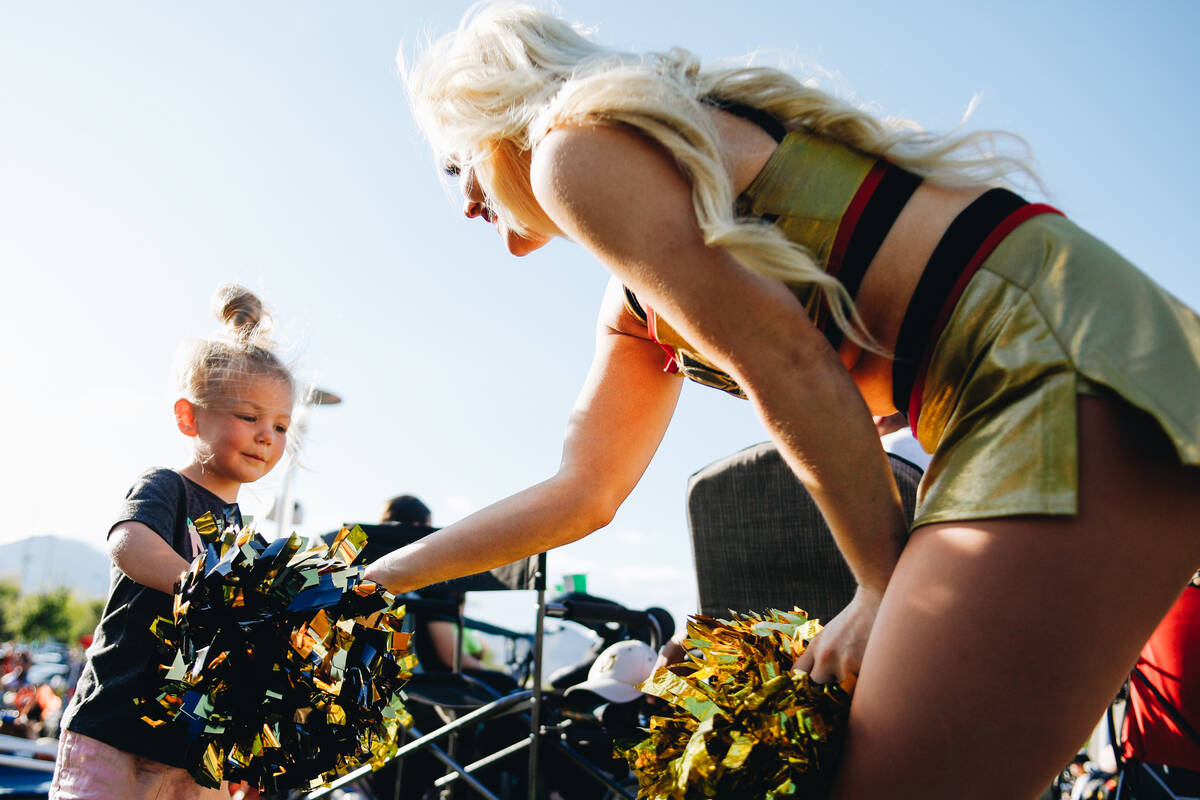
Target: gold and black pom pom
(283,666)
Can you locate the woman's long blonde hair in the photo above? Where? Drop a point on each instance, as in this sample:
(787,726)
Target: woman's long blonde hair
(487,93)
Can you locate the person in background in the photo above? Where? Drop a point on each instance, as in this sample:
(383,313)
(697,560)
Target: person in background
(406,509)
(234,406)
(436,635)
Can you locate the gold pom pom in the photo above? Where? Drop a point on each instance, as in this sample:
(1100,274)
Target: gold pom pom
(744,724)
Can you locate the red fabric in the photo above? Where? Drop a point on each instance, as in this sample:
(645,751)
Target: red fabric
(1171,661)
(854,212)
(671,364)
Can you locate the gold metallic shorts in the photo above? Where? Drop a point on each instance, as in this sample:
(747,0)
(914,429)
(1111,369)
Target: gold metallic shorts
(1051,312)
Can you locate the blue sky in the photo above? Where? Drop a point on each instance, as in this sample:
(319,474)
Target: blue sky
(149,152)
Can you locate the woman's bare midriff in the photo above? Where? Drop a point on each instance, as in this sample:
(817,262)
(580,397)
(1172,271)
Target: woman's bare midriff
(890,281)
(892,275)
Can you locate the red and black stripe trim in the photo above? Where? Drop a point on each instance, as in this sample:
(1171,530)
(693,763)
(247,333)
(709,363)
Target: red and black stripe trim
(871,213)
(646,316)
(967,242)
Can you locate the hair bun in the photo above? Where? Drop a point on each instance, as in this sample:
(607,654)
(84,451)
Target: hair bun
(241,312)
(209,371)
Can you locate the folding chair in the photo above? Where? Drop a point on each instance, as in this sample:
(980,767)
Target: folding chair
(759,541)
(474,702)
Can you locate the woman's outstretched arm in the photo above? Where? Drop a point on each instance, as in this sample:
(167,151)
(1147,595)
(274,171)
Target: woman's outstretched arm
(614,429)
(620,195)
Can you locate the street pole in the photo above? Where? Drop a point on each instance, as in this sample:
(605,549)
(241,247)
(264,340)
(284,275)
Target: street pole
(283,508)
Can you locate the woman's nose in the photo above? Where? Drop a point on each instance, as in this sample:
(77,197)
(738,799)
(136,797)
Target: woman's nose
(472,208)
(474,200)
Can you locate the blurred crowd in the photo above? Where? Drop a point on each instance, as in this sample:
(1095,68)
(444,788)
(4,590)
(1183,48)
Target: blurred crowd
(36,681)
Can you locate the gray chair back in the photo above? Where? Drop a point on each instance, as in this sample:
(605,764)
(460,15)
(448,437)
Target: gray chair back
(760,542)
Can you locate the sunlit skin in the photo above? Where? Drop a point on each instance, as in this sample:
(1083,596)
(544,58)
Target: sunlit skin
(238,442)
(475,206)
(949,624)
(614,193)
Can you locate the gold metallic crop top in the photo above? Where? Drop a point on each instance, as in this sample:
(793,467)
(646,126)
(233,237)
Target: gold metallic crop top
(836,201)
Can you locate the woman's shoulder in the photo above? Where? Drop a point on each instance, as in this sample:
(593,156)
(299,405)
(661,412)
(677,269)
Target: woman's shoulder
(604,182)
(587,151)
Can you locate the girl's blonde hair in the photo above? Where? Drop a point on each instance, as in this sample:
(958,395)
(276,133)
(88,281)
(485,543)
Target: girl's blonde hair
(208,371)
(486,94)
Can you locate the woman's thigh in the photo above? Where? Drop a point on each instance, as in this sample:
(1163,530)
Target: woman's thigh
(1000,642)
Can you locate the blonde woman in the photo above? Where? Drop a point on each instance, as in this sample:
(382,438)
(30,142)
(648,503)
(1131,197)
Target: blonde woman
(768,240)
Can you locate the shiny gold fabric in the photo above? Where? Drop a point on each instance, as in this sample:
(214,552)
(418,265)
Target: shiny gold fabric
(806,186)
(807,183)
(1051,313)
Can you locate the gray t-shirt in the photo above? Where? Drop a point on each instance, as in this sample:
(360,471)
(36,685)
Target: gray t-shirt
(122,659)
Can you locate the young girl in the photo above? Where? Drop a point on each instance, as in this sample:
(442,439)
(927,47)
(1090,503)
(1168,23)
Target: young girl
(787,248)
(235,406)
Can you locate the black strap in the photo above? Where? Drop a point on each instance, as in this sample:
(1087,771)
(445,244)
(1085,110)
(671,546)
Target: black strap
(181,519)
(635,306)
(888,200)
(756,115)
(952,254)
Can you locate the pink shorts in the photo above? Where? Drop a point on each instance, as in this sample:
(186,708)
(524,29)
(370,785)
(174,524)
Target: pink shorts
(91,770)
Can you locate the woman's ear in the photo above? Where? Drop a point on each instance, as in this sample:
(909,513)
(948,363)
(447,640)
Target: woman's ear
(185,417)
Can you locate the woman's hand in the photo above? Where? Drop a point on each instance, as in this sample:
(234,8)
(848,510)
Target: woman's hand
(673,652)
(835,654)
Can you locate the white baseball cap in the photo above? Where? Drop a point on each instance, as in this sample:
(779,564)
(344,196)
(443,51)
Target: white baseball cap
(619,669)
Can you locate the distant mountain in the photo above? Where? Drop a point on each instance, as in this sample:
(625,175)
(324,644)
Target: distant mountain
(41,563)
